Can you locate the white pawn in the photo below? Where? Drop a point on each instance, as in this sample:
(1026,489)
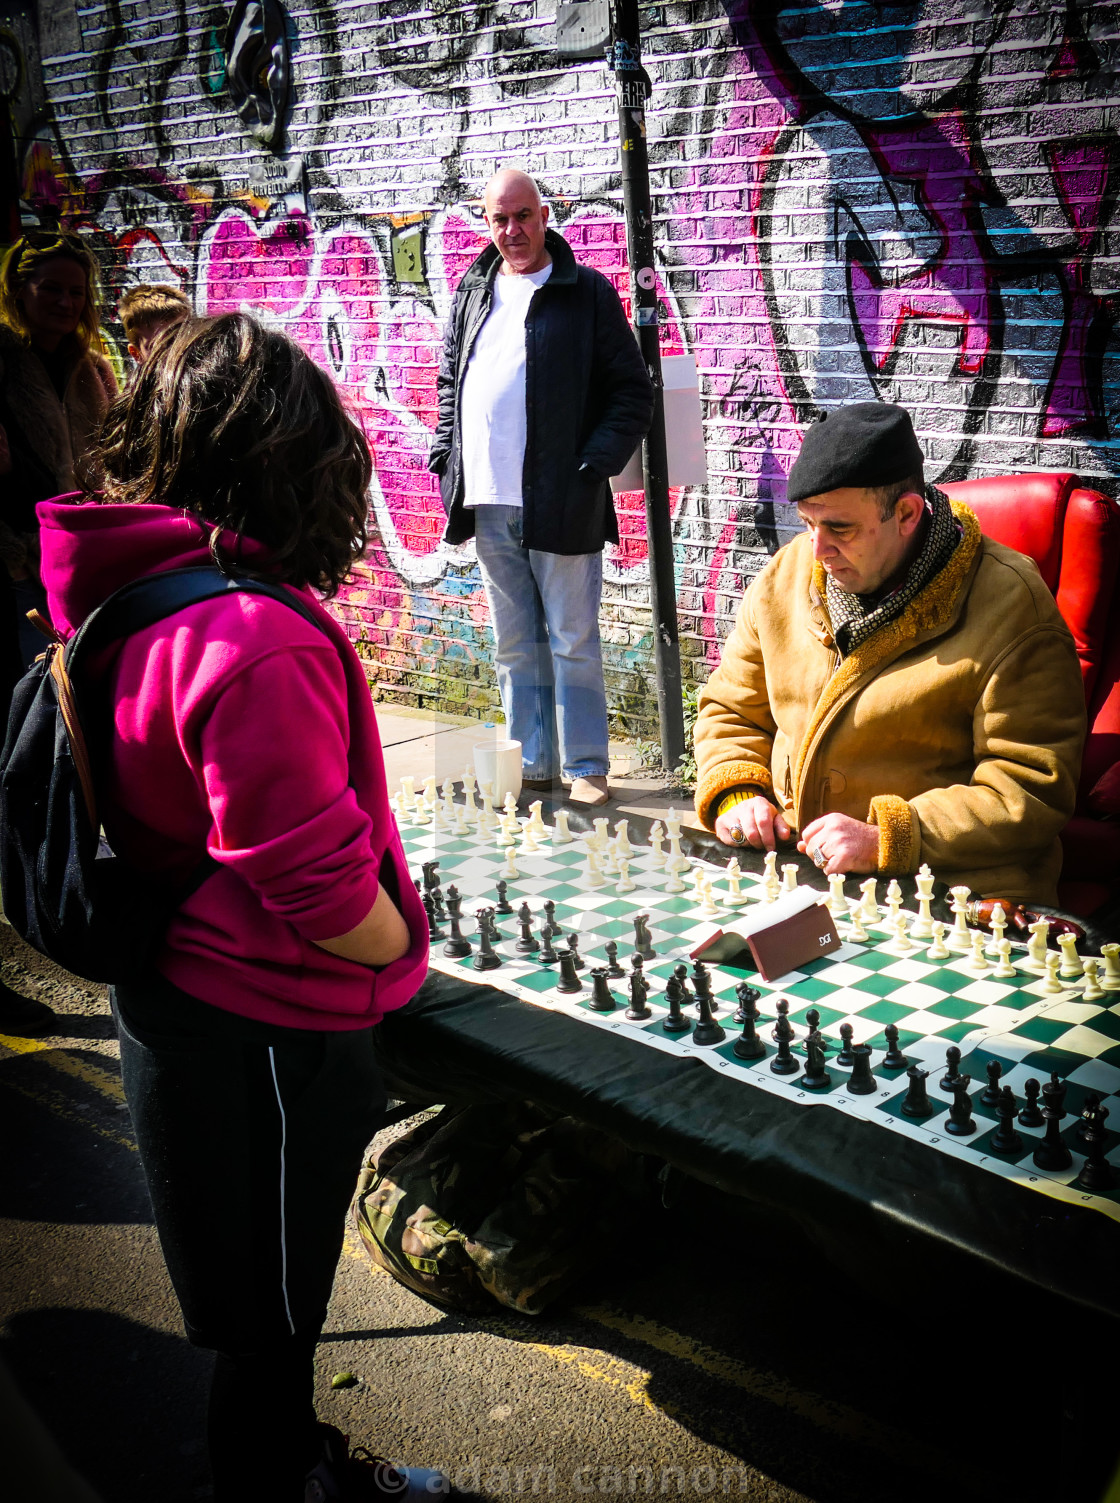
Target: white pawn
(939,950)
(421,814)
(439,816)
(529,840)
(698,880)
(734,897)
(1051,985)
(462,827)
(1036,945)
(855,917)
(978,961)
(624,883)
(506,828)
(1004,970)
(901,938)
(561,835)
(836,903)
(1110,954)
(656,842)
(868,908)
(675,883)
(961,937)
(1071,960)
(894,901)
(708,902)
(771,882)
(593,877)
(509,871)
(622,840)
(999,924)
(1094,991)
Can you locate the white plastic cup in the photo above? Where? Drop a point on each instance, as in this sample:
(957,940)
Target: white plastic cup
(499,764)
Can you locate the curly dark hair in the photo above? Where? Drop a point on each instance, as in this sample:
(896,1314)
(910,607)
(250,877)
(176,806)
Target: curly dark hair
(234,423)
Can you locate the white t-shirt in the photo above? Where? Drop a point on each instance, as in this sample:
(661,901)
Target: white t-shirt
(492,406)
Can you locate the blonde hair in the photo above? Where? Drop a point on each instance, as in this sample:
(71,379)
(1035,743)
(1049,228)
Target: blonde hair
(151,303)
(31,252)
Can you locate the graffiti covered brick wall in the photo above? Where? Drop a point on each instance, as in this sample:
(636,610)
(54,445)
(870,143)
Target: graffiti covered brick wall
(854,199)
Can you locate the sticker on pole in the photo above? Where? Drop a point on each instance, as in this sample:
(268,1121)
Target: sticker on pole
(646,278)
(645,316)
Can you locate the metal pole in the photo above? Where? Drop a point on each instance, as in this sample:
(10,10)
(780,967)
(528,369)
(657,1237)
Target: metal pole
(633,87)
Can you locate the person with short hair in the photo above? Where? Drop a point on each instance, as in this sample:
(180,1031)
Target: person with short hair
(898,688)
(543,395)
(146,310)
(242,768)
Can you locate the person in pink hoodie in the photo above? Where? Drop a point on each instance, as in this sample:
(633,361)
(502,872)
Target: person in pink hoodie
(243,733)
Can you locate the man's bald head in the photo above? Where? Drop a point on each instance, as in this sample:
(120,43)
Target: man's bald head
(517,221)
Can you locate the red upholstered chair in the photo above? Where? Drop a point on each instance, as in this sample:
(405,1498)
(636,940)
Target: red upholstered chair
(1073,535)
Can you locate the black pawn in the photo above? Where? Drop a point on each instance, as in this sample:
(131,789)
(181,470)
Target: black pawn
(747,997)
(816,1077)
(434,931)
(813,1023)
(917,1103)
(492,928)
(1088,1111)
(527,944)
(783,1062)
(676,1022)
(846,1057)
(707,1030)
(503,905)
(456,946)
(1030,1116)
(1005,1139)
(990,1096)
(1054,1095)
(602,998)
(782,1032)
(546,955)
(554,929)
(573,950)
(894,1059)
(437,903)
(613,968)
(948,1081)
(1052,1153)
(485,960)
(960,1122)
(643,941)
(569,976)
(748,1045)
(861,1082)
(680,971)
(1097,1174)
(702,981)
(638,1010)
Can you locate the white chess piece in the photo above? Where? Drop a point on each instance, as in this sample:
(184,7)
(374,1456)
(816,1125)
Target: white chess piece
(1004,970)
(922,927)
(529,840)
(1094,991)
(421,814)
(469,785)
(677,861)
(610,859)
(771,882)
(734,897)
(901,937)
(836,903)
(1110,954)
(509,871)
(961,937)
(509,806)
(1071,960)
(601,837)
(395,802)
(676,883)
(656,842)
(978,961)
(439,815)
(1051,983)
(430,792)
(408,793)
(624,883)
(939,950)
(622,839)
(855,918)
(1036,945)
(486,814)
(672,823)
(789,877)
(708,901)
(998,922)
(462,826)
(536,822)
(868,908)
(698,880)
(507,828)
(894,901)
(593,876)
(561,835)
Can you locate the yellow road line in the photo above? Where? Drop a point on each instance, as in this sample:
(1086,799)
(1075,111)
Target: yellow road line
(57,1103)
(58,1059)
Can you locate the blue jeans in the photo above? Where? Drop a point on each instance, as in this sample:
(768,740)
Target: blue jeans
(545,612)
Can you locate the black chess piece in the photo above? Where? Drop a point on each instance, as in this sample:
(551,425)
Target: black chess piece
(639,1008)
(1097,1174)
(1052,1152)
(613,968)
(748,1045)
(527,942)
(485,960)
(573,949)
(916,1103)
(554,929)
(960,1122)
(813,1023)
(680,971)
(643,941)
(783,1028)
(454,900)
(894,1058)
(1054,1095)
(948,1081)
(1005,1139)
(747,996)
(861,1082)
(846,1057)
(569,976)
(503,905)
(437,903)
(990,1096)
(707,1030)
(676,1022)
(1030,1116)
(546,954)
(457,946)
(1084,1127)
(816,1077)
(431,874)
(702,982)
(434,930)
(602,998)
(783,1062)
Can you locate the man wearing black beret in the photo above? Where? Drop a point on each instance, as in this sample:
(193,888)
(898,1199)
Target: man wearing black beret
(897,689)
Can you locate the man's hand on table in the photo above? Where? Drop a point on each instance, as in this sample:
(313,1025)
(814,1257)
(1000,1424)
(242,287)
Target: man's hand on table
(837,843)
(761,825)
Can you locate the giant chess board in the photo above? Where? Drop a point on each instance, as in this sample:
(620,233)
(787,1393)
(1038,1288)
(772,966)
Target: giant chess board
(1018,1020)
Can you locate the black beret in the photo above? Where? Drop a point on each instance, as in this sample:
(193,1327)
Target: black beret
(864,444)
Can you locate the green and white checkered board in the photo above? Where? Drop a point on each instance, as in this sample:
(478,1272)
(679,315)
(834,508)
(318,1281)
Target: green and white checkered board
(933,1003)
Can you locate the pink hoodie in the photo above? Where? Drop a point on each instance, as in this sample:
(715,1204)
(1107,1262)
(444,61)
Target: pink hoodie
(242,730)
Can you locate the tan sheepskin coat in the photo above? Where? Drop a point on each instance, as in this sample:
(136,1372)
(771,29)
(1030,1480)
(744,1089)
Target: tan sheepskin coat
(957,728)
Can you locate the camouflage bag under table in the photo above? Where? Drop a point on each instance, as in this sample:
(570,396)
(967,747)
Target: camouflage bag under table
(509,1203)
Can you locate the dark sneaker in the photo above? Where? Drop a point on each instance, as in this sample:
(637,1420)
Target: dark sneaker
(24,1015)
(357,1477)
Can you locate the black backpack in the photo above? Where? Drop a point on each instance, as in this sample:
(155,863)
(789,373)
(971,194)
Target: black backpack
(71,899)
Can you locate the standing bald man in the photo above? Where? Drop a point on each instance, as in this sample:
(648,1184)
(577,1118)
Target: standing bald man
(543,395)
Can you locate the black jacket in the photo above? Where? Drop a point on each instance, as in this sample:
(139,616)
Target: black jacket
(588,402)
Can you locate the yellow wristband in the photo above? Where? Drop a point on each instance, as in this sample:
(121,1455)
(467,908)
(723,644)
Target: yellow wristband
(737,796)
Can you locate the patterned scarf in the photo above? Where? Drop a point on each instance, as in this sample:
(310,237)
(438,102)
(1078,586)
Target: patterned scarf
(855,618)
